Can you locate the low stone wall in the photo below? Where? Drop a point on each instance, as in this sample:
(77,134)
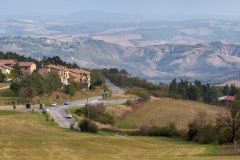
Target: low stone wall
(20,107)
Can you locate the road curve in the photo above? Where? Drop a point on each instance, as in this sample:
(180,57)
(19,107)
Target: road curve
(59,113)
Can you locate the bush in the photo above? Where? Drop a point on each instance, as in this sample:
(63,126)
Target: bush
(77,85)
(87,125)
(130,103)
(70,89)
(144,131)
(15,86)
(79,111)
(192,131)
(97,113)
(207,135)
(106,119)
(225,136)
(167,131)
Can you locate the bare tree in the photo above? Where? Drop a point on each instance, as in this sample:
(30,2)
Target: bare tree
(27,92)
(230,118)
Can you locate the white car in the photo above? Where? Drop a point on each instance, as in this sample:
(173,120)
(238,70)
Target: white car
(54,104)
(69,116)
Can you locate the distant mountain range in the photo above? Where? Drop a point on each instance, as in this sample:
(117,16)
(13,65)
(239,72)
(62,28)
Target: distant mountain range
(210,62)
(156,50)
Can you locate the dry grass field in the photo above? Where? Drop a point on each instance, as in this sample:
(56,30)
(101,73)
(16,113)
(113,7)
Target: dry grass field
(162,111)
(26,135)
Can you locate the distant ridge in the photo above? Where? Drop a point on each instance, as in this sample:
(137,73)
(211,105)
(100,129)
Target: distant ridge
(210,62)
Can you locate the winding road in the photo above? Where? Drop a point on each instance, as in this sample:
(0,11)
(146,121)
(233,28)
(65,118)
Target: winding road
(59,113)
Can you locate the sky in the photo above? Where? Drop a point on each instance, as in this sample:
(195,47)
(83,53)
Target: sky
(191,8)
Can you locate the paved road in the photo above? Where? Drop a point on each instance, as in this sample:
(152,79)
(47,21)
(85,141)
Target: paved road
(4,87)
(115,89)
(59,113)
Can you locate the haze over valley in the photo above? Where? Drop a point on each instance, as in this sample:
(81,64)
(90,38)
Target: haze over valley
(154,45)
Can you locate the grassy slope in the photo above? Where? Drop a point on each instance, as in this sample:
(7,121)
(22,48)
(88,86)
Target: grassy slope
(159,112)
(7,96)
(28,136)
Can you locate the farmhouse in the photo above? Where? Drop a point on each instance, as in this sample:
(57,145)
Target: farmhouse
(226,100)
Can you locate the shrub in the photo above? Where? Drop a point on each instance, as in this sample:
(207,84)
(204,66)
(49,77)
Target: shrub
(167,131)
(57,96)
(97,113)
(192,131)
(207,134)
(79,111)
(87,125)
(225,136)
(70,89)
(130,103)
(106,118)
(15,86)
(77,85)
(144,131)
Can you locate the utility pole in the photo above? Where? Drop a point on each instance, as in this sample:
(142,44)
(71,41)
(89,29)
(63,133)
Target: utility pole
(88,108)
(227,99)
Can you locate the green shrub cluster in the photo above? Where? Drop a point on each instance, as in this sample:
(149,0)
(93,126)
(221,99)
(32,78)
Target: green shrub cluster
(130,103)
(166,131)
(96,113)
(87,125)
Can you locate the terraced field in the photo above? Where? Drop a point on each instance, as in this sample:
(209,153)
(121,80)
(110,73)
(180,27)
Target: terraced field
(26,135)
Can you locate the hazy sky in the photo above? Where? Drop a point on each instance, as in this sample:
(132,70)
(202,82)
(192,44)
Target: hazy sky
(185,7)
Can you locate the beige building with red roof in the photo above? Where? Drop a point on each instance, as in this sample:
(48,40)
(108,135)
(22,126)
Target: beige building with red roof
(8,62)
(67,75)
(80,75)
(27,67)
(60,70)
(5,69)
(6,65)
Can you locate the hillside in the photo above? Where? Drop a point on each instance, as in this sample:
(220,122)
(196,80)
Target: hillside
(162,111)
(209,62)
(26,135)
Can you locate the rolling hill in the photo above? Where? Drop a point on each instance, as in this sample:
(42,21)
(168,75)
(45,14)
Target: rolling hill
(210,62)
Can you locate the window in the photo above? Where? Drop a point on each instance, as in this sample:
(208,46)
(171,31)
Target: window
(25,68)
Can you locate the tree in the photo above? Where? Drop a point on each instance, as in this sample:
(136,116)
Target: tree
(15,86)
(173,86)
(27,92)
(52,82)
(17,70)
(226,90)
(2,76)
(230,118)
(35,81)
(114,70)
(194,92)
(77,85)
(70,89)
(13,74)
(123,71)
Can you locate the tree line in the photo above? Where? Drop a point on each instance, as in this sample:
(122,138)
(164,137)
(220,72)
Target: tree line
(208,93)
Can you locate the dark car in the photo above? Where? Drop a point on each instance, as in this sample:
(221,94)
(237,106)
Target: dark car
(67,102)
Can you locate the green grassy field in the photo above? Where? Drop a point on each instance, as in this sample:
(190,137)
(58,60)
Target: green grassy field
(26,135)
